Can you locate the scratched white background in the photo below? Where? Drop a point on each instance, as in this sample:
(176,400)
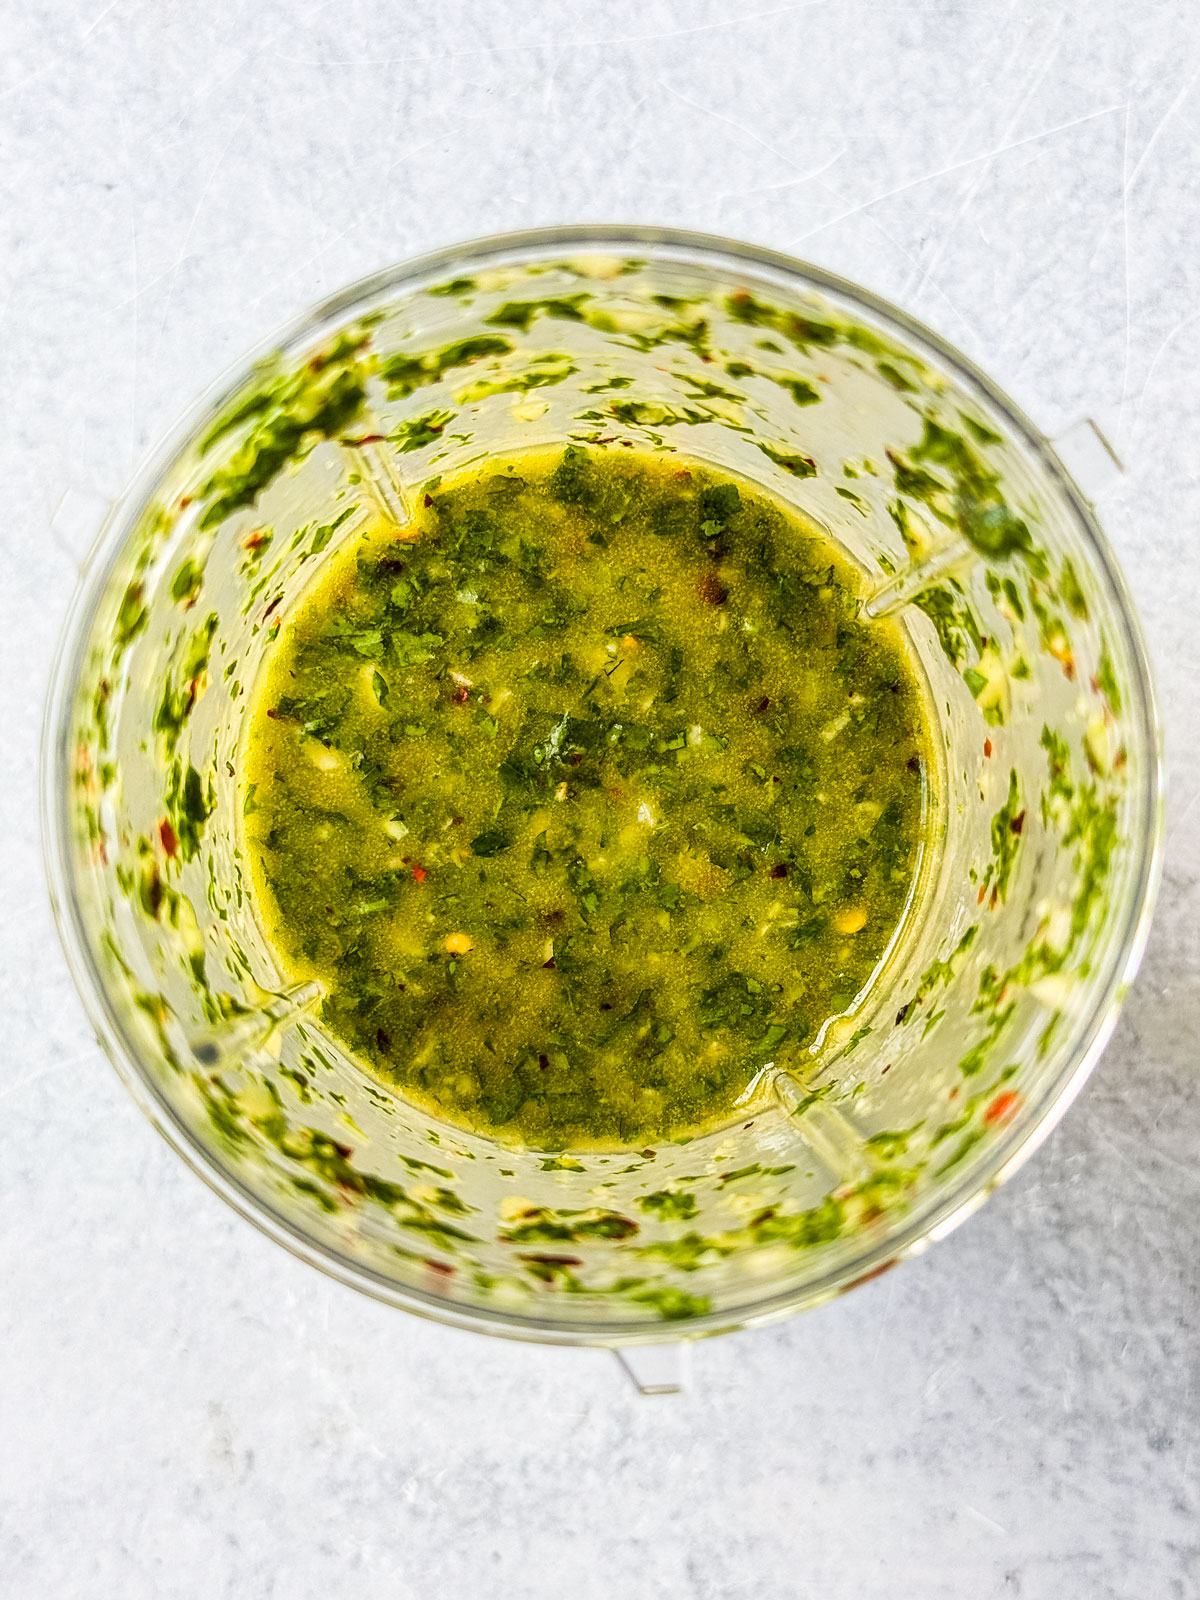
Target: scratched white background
(184,1410)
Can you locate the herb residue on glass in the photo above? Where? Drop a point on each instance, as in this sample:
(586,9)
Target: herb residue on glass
(589,798)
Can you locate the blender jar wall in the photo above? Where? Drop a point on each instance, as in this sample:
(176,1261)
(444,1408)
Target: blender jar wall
(961,524)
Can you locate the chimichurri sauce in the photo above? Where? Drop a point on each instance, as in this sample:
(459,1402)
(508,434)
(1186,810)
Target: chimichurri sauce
(589,798)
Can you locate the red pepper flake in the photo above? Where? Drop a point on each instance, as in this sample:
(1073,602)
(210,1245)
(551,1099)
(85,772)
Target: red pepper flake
(170,839)
(544,1062)
(272,606)
(1002,1107)
(367,438)
(779,870)
(461,695)
(913,763)
(184,501)
(549,966)
(763,704)
(875,1272)
(419,872)
(552,1261)
(428,499)
(456,822)
(1018,822)
(980,895)
(253,539)
(383,1038)
(987,748)
(344,1150)
(442,1268)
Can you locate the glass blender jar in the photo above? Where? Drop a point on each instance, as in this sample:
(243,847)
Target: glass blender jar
(964,525)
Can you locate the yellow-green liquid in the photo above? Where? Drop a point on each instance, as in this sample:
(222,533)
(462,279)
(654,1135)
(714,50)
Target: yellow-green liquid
(590,798)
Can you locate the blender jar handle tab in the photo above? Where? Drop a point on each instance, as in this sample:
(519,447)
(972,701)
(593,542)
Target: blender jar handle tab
(78,521)
(1088,457)
(656,1368)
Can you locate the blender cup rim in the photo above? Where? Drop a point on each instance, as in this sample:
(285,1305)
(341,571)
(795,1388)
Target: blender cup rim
(930,1220)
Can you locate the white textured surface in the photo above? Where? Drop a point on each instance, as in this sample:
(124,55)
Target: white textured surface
(184,1410)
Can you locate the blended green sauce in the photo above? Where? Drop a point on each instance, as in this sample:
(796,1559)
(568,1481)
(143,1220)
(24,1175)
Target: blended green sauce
(590,799)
